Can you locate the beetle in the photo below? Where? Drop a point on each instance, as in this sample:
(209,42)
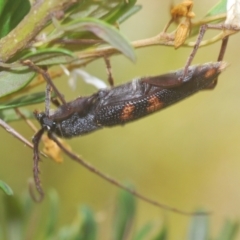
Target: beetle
(127,102)
(118,106)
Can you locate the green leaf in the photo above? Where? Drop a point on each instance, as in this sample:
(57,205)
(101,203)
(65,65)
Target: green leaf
(28,208)
(52,214)
(108,10)
(120,12)
(163,234)
(13,217)
(13,81)
(65,233)
(199,228)
(229,230)
(50,56)
(88,228)
(11,14)
(9,115)
(129,13)
(143,232)
(84,229)
(24,100)
(104,31)
(1,233)
(124,217)
(6,189)
(219,8)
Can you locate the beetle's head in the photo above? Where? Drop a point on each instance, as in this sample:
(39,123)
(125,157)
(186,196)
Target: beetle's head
(46,123)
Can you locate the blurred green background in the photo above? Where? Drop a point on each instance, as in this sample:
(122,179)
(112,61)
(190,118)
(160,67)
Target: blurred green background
(186,156)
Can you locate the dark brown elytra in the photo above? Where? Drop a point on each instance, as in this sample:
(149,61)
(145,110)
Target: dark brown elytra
(127,102)
(119,105)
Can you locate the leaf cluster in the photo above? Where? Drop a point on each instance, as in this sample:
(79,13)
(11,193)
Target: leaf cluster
(19,222)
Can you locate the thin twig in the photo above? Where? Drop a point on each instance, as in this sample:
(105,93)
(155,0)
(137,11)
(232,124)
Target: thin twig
(15,133)
(109,71)
(77,41)
(37,18)
(117,183)
(29,123)
(218,17)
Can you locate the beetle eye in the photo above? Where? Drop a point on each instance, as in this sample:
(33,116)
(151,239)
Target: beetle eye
(39,116)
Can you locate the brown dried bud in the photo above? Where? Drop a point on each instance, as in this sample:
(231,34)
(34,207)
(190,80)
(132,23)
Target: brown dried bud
(182,33)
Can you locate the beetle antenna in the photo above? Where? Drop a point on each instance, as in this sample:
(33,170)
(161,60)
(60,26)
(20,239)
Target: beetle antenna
(113,181)
(46,76)
(36,139)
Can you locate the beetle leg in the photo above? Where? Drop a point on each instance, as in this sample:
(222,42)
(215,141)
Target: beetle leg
(202,31)
(220,58)
(163,81)
(109,71)
(55,101)
(223,48)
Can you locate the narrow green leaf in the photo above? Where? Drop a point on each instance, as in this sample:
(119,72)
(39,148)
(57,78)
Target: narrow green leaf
(24,100)
(143,232)
(121,10)
(229,230)
(52,214)
(50,56)
(2,6)
(199,228)
(124,217)
(108,10)
(13,217)
(163,234)
(27,206)
(13,208)
(129,13)
(5,188)
(104,31)
(88,228)
(1,233)
(10,115)
(219,8)
(11,14)
(65,233)
(13,81)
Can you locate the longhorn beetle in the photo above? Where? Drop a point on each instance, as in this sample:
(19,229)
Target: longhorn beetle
(118,105)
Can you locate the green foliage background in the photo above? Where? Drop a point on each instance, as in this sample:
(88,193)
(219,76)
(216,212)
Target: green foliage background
(186,156)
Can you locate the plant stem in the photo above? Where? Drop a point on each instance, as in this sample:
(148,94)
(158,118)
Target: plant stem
(38,17)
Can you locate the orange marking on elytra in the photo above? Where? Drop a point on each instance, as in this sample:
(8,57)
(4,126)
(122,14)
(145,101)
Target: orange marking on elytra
(127,112)
(210,73)
(154,104)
